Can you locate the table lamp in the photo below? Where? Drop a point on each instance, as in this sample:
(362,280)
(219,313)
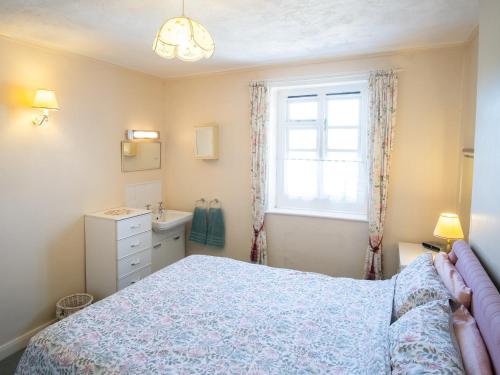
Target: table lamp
(448,227)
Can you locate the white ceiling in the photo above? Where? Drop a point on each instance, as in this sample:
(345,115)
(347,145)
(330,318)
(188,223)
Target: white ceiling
(246,32)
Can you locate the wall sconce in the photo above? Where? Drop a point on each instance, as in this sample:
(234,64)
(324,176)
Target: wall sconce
(142,134)
(45,100)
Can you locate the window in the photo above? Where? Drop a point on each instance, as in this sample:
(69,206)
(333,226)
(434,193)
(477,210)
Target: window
(318,156)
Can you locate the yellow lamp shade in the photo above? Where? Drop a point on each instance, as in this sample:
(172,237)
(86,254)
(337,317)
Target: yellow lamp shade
(185,39)
(448,227)
(45,99)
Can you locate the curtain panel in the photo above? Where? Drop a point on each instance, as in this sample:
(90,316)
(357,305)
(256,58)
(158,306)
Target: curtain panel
(259,110)
(383,100)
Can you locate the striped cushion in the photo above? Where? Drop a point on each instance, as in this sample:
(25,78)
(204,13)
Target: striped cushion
(485,305)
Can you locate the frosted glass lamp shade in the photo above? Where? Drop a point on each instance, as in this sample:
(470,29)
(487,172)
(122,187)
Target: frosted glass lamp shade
(448,227)
(45,99)
(185,39)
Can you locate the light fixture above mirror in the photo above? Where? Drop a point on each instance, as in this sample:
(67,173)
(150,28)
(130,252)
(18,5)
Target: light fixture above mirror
(183,38)
(142,134)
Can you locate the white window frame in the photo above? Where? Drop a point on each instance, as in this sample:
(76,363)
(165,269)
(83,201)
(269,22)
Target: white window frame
(279,125)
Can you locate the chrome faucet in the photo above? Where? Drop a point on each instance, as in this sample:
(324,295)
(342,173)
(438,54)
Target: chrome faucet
(160,208)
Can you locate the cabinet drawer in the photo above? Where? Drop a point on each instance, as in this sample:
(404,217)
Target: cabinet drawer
(134,262)
(134,244)
(134,225)
(133,277)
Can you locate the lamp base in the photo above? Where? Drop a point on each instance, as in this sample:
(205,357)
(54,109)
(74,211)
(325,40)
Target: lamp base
(448,246)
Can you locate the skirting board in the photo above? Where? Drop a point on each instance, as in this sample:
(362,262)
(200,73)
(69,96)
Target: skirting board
(21,342)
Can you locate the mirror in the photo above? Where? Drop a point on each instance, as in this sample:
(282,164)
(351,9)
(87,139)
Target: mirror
(140,156)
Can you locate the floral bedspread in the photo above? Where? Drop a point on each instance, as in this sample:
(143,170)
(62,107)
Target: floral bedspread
(211,315)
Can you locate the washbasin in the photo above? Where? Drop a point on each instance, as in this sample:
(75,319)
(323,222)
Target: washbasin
(170,219)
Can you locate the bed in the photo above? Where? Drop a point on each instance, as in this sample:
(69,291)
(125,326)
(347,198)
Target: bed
(220,316)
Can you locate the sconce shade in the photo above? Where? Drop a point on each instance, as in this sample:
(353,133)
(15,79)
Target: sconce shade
(45,99)
(448,227)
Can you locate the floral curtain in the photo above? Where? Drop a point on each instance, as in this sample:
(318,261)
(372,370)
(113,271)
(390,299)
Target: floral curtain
(258,121)
(383,98)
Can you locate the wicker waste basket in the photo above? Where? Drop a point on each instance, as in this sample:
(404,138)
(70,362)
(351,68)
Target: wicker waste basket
(71,304)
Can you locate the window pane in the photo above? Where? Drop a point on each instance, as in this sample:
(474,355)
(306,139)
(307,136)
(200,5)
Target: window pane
(302,155)
(302,110)
(300,179)
(343,156)
(340,180)
(343,139)
(302,139)
(343,112)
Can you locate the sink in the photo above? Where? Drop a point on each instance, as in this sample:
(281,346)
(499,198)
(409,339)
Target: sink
(170,219)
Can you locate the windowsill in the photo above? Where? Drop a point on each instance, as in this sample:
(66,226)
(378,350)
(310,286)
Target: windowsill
(319,214)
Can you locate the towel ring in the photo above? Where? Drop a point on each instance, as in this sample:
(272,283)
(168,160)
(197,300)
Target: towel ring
(202,201)
(214,203)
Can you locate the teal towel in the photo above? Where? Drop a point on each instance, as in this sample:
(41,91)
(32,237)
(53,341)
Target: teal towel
(199,226)
(216,231)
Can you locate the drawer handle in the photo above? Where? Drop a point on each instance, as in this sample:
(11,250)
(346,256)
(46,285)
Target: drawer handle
(134,281)
(177,237)
(135,244)
(157,245)
(135,262)
(135,226)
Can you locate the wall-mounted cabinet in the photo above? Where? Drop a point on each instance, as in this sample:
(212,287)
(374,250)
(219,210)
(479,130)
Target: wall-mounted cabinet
(206,142)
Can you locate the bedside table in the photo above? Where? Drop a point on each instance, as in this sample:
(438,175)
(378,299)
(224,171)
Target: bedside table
(409,251)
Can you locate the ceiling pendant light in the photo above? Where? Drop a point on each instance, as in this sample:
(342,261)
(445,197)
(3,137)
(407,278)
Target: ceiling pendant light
(183,38)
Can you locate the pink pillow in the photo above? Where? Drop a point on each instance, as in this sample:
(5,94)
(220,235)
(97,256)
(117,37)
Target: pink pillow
(452,257)
(452,279)
(474,354)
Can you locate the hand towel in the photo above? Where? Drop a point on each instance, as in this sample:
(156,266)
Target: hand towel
(199,226)
(216,230)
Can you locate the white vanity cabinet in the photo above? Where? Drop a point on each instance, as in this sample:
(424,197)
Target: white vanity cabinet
(168,247)
(117,249)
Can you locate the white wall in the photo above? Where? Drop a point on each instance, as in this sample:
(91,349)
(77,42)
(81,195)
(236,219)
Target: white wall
(51,175)
(467,131)
(485,219)
(425,170)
